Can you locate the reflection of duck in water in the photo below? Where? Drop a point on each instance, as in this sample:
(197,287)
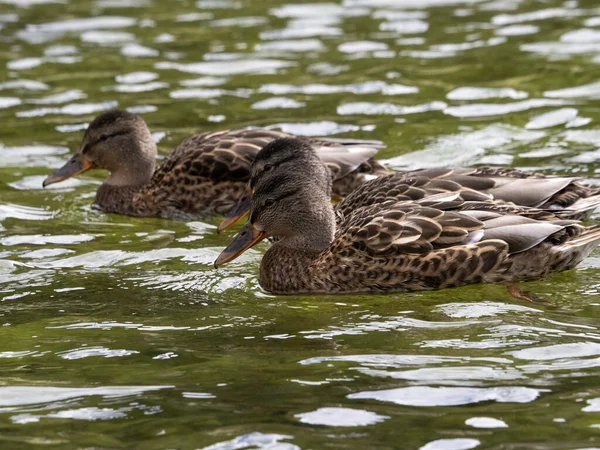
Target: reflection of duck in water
(206,174)
(376,240)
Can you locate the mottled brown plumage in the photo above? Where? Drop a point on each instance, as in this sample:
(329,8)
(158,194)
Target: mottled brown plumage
(392,234)
(205,174)
(550,197)
(566,197)
(570,195)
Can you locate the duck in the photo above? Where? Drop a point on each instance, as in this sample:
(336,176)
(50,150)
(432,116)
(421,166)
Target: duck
(568,197)
(205,175)
(378,241)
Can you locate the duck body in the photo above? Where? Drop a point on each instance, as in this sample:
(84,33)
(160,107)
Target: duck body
(363,257)
(398,233)
(206,174)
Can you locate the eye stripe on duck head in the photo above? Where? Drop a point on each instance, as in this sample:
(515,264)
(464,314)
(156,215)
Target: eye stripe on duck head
(277,184)
(104,137)
(257,208)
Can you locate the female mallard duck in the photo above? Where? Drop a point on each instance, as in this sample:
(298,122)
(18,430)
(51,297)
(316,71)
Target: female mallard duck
(206,174)
(381,244)
(568,196)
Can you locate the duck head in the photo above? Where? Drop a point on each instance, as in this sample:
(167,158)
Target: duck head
(291,189)
(117,141)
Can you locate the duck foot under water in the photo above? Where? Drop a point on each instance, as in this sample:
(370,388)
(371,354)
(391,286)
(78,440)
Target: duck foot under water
(516,292)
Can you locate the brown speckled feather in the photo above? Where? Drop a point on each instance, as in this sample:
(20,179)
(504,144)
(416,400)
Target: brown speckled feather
(523,188)
(208,173)
(551,197)
(404,246)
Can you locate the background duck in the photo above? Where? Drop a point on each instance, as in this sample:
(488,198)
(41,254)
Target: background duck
(205,174)
(382,244)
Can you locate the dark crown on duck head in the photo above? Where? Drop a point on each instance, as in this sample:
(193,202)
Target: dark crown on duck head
(288,158)
(110,117)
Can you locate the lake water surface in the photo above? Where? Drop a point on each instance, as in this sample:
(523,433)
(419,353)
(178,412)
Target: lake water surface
(118,333)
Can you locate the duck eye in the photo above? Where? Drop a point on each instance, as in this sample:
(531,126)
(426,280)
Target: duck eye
(269,202)
(268,167)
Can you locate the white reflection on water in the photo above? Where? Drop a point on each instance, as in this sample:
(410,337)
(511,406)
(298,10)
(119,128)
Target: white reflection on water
(73,109)
(553,118)
(107,37)
(369,108)
(12,396)
(590,91)
(451,444)
(220,68)
(341,417)
(86,352)
(39,239)
(136,77)
(292,45)
(517,30)
(278,103)
(389,360)
(467,147)
(541,14)
(83,24)
(558,351)
(593,405)
(361,47)
(450,396)
(90,414)
(139,87)
(32,156)
(322,128)
(368,87)
(393,323)
(26,85)
(482,309)
(23,213)
(138,51)
(255,440)
(479,93)
(8,102)
(449,375)
(408,4)
(485,422)
(63,97)
(496,109)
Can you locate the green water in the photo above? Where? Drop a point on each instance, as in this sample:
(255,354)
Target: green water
(118,333)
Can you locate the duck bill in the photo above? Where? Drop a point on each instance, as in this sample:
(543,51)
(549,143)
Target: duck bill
(76,165)
(238,212)
(248,237)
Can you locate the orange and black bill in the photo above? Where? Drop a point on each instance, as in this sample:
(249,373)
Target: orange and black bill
(76,165)
(237,213)
(248,237)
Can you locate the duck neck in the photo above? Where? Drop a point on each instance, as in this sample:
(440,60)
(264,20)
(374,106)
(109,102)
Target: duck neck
(118,199)
(289,266)
(130,176)
(134,173)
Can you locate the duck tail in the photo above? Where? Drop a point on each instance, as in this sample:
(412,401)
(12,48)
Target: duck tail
(585,205)
(589,237)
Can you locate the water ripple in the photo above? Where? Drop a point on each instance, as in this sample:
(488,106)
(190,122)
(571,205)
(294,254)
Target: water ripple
(250,67)
(449,396)
(340,417)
